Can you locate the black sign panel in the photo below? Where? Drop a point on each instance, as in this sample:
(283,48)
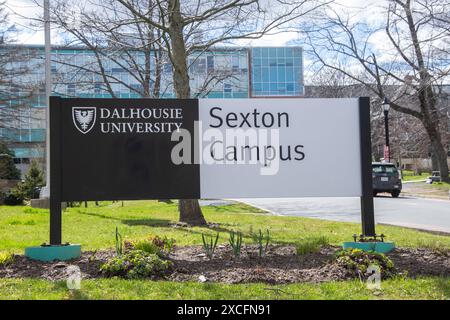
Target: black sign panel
(110,149)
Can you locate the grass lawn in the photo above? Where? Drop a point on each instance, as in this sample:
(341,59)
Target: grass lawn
(408,175)
(441,186)
(427,288)
(435,190)
(94,228)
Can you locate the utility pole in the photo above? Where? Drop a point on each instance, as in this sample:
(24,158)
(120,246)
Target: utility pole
(45,192)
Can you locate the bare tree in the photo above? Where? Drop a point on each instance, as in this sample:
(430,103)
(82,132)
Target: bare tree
(408,137)
(175,30)
(116,40)
(196,25)
(416,61)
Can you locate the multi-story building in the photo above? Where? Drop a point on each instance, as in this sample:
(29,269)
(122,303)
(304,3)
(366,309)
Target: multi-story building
(78,72)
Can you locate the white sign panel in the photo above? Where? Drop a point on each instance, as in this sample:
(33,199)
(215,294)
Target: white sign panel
(255,148)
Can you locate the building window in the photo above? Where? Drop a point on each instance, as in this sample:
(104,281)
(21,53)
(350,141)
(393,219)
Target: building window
(97,87)
(167,68)
(227,88)
(277,72)
(197,65)
(210,64)
(235,63)
(71,89)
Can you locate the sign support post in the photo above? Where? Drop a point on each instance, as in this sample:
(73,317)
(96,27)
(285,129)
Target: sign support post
(55,250)
(368,239)
(367,209)
(55,173)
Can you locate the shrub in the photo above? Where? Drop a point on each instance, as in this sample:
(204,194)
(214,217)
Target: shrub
(311,245)
(152,244)
(8,169)
(13,198)
(136,264)
(6,258)
(30,186)
(357,261)
(147,245)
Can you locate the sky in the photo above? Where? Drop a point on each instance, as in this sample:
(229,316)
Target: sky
(367,10)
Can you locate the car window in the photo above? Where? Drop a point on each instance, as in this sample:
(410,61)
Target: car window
(390,169)
(384,169)
(377,169)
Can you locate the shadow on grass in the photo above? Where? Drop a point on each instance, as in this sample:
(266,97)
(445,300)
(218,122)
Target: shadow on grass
(148,222)
(133,222)
(165,223)
(71,294)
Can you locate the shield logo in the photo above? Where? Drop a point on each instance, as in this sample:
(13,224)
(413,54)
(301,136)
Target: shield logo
(84,118)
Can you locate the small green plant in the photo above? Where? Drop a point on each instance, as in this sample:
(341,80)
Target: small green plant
(136,264)
(146,245)
(6,258)
(263,241)
(92,256)
(152,244)
(210,244)
(311,245)
(236,243)
(169,245)
(357,262)
(119,243)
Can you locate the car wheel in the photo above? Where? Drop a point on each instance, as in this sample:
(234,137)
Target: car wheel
(395,193)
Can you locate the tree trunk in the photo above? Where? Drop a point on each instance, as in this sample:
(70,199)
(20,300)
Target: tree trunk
(191,213)
(190,210)
(441,156)
(437,147)
(434,162)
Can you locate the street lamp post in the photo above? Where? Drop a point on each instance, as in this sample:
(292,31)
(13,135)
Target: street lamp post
(45,192)
(387,152)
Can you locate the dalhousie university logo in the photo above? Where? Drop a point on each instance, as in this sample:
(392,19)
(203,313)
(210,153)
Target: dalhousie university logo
(84,118)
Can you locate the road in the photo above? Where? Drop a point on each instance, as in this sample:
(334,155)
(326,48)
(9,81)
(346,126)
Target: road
(426,214)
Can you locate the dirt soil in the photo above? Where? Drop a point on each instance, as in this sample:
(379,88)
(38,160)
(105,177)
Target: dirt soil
(280,265)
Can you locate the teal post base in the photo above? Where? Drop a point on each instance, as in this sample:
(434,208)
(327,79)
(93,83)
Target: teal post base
(52,253)
(380,247)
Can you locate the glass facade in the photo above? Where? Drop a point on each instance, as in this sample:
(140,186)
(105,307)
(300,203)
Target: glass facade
(216,73)
(277,72)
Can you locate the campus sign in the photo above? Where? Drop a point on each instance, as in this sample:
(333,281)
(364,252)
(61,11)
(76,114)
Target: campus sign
(125,149)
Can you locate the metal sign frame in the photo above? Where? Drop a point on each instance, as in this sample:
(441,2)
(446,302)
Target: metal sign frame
(56,141)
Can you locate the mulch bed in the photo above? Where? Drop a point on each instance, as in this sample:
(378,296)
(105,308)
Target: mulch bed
(280,265)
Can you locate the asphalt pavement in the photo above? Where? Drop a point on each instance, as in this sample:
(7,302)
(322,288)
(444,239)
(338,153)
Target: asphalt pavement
(418,213)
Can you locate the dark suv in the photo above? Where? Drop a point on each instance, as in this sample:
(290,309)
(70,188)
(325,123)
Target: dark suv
(386,179)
